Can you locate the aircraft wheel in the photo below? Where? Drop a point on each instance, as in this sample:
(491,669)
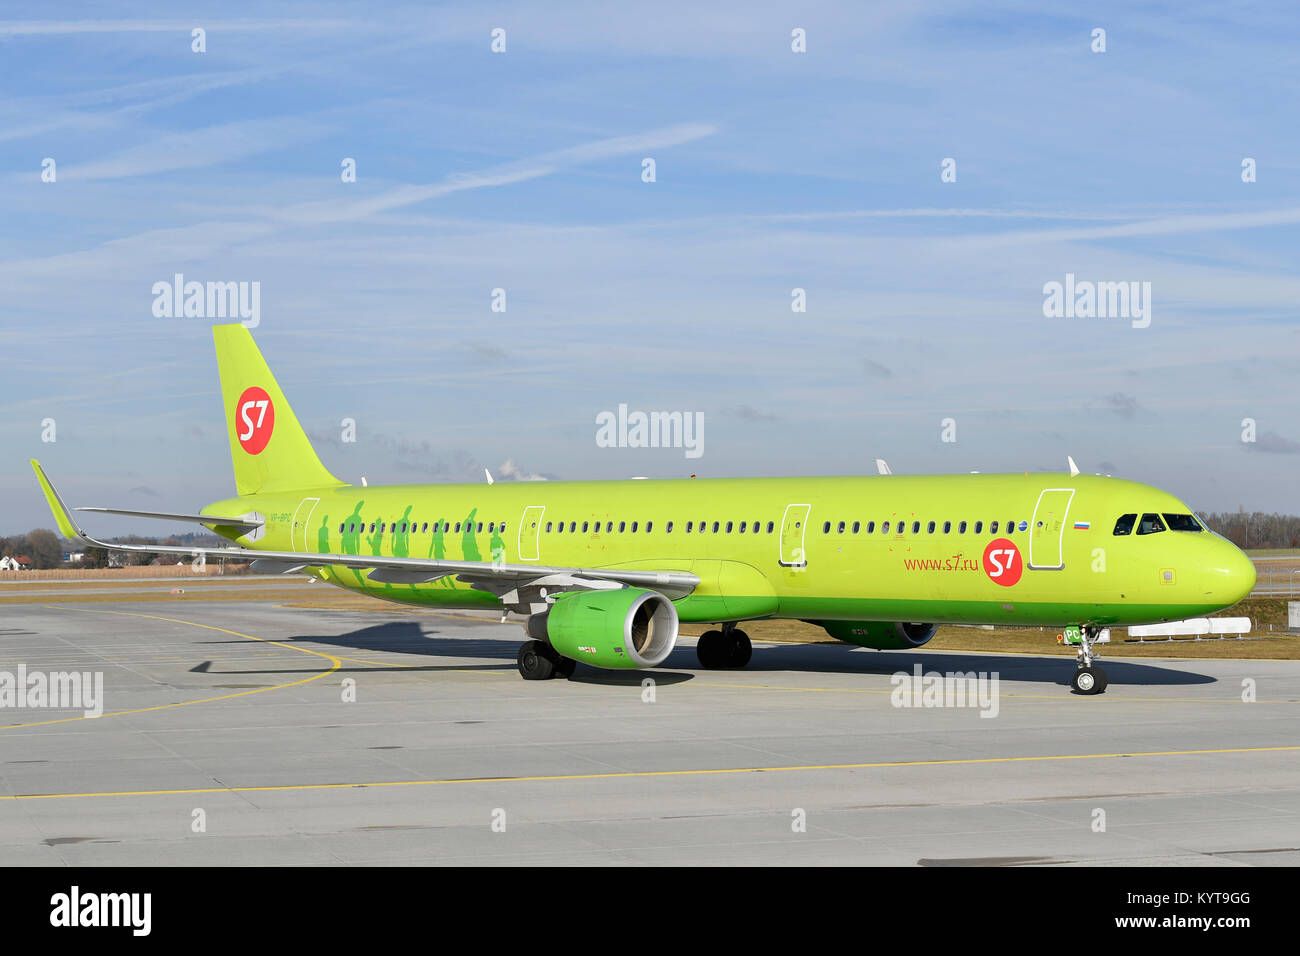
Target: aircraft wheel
(1089,680)
(565,666)
(740,651)
(534,661)
(711,649)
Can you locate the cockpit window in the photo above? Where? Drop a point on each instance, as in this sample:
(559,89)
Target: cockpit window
(1150,524)
(1182,522)
(1125,524)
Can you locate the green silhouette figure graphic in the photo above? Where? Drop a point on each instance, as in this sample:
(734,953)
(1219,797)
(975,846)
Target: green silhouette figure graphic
(468,544)
(323,536)
(498,546)
(401,535)
(438,550)
(351,540)
(376,540)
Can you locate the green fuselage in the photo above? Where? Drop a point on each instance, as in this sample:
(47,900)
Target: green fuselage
(792,560)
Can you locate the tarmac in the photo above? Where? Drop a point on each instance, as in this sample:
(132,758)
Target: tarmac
(248,733)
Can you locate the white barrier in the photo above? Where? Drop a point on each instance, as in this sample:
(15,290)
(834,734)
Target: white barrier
(1197,626)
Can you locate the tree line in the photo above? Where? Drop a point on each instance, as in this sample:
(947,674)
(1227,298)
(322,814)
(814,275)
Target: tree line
(46,549)
(1255,530)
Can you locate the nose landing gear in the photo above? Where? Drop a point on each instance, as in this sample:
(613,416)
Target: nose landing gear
(1088,677)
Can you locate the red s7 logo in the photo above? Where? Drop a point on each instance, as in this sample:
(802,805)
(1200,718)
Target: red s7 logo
(254,419)
(1002,562)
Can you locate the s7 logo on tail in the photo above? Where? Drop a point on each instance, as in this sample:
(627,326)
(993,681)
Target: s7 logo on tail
(254,419)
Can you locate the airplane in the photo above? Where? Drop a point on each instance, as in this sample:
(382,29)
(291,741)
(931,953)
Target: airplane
(606,571)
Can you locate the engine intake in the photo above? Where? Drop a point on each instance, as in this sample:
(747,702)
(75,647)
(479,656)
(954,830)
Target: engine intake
(622,629)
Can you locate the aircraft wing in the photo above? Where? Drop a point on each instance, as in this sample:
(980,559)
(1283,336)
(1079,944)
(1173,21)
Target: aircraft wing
(520,587)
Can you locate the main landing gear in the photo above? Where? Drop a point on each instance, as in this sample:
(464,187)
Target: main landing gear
(1088,678)
(539,661)
(729,647)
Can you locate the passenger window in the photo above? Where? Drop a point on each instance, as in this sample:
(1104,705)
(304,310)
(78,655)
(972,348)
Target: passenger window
(728,527)
(1150,524)
(548,526)
(826,528)
(979,526)
(856,526)
(634,527)
(916,527)
(340,529)
(559,528)
(609,526)
(689,525)
(871,527)
(621,526)
(503,527)
(584,527)
(1125,524)
(668,528)
(884,528)
(993,527)
(961,528)
(715,527)
(742,526)
(770,526)
(947,527)
(649,526)
(1182,522)
(840,528)
(929,528)
(480,527)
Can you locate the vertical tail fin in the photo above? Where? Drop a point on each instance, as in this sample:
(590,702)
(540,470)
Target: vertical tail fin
(268,447)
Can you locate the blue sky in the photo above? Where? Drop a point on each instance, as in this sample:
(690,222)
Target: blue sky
(774,170)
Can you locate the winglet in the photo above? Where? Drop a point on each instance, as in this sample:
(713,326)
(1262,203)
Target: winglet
(62,516)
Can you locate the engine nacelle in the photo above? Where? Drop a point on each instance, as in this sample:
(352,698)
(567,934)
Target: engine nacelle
(880,635)
(624,628)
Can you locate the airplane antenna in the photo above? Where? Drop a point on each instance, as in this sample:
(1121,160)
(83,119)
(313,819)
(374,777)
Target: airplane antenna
(489,475)
(363,481)
(882,467)
(1074,469)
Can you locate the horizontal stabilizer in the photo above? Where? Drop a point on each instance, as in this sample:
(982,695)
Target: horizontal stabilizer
(241,524)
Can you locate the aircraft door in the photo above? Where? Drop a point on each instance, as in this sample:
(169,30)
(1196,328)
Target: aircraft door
(1048,529)
(793,526)
(301,527)
(530,530)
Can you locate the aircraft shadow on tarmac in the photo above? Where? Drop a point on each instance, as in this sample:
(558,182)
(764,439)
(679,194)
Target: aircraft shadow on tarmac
(413,638)
(842,659)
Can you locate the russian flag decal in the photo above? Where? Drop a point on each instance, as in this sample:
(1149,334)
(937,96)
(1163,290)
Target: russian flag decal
(1082,525)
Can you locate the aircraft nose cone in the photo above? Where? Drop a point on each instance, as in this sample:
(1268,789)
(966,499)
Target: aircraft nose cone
(1235,573)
